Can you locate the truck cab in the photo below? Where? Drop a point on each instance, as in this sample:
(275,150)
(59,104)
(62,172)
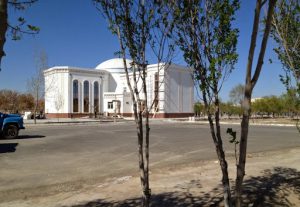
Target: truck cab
(10,124)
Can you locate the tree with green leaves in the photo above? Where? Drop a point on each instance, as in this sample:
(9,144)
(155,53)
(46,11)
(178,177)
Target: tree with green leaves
(17,30)
(205,34)
(236,94)
(140,25)
(231,109)
(291,102)
(286,33)
(270,105)
(199,109)
(250,83)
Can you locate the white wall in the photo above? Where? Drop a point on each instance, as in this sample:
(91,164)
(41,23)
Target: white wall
(176,89)
(56,92)
(179,91)
(188,92)
(123,98)
(127,103)
(59,88)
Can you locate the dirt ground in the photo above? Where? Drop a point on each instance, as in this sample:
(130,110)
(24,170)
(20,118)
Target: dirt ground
(272,179)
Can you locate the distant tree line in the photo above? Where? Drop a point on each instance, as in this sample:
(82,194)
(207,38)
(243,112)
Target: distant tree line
(15,102)
(286,105)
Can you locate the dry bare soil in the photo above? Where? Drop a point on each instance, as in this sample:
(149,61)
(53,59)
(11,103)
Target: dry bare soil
(273,179)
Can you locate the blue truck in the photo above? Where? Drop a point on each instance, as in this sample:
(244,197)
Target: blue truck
(10,124)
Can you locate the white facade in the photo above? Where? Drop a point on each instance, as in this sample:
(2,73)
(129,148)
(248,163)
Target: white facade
(77,92)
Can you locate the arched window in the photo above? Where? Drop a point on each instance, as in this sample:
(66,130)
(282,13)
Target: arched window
(75,96)
(86,96)
(96,97)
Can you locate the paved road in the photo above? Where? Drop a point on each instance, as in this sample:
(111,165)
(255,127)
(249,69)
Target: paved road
(52,154)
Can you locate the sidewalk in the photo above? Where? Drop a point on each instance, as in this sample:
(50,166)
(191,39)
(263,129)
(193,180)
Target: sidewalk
(253,122)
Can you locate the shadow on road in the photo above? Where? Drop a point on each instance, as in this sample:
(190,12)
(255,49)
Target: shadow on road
(25,137)
(30,136)
(8,147)
(276,187)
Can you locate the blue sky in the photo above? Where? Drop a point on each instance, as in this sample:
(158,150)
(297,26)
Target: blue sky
(74,33)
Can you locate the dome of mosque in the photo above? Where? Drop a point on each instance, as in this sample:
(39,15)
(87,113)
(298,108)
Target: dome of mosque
(115,65)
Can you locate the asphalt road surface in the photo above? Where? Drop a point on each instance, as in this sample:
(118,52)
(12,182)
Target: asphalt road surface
(53,155)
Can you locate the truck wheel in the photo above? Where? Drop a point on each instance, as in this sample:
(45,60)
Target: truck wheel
(11,132)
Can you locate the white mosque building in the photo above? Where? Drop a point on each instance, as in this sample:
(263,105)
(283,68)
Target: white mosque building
(72,92)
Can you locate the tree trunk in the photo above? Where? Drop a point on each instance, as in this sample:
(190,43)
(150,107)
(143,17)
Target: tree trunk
(144,169)
(249,85)
(222,158)
(147,185)
(139,122)
(243,148)
(147,191)
(216,136)
(3,27)
(36,105)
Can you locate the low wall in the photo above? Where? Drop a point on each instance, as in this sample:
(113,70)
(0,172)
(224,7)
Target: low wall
(157,115)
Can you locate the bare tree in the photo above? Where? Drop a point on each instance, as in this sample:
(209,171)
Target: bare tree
(36,83)
(127,20)
(162,45)
(9,100)
(249,86)
(25,102)
(58,103)
(137,27)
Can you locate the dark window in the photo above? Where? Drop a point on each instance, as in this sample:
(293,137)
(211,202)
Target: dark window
(96,97)
(110,105)
(86,96)
(75,96)
(156,90)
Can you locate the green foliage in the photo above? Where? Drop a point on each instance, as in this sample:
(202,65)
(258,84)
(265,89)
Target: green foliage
(231,109)
(33,28)
(233,140)
(199,108)
(207,39)
(232,133)
(19,29)
(291,101)
(286,33)
(286,104)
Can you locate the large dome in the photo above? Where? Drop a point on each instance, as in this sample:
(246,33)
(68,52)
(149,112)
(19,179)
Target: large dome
(115,65)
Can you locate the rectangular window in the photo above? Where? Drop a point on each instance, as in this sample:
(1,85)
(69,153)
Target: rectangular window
(156,91)
(110,105)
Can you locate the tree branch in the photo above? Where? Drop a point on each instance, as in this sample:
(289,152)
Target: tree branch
(21,5)
(263,44)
